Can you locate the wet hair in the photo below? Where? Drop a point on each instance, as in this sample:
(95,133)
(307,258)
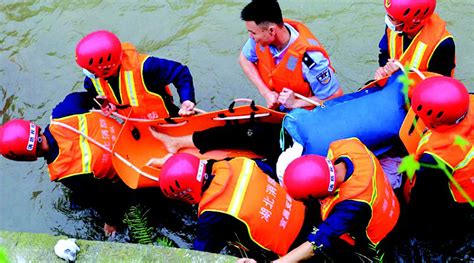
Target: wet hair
(262,11)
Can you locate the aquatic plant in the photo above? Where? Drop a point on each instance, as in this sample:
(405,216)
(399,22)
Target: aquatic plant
(137,221)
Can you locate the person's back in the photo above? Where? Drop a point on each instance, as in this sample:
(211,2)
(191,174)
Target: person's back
(358,205)
(238,204)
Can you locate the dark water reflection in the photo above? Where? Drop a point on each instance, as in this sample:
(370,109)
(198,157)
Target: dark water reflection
(37,70)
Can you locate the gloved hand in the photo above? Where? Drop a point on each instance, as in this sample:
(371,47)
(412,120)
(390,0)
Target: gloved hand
(67,249)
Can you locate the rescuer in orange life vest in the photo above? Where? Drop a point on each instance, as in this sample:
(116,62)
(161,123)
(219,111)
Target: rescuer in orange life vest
(442,191)
(129,81)
(238,202)
(72,160)
(282,57)
(417,36)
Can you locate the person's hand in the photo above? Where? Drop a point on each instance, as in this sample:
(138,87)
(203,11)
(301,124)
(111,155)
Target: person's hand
(387,70)
(109,230)
(380,73)
(246,260)
(271,98)
(391,66)
(287,98)
(106,107)
(187,108)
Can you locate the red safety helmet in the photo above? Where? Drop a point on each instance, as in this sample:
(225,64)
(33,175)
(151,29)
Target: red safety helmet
(182,176)
(19,140)
(413,13)
(440,101)
(309,176)
(100,53)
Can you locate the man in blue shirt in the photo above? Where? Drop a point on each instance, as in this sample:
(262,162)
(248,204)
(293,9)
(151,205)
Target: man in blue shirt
(282,57)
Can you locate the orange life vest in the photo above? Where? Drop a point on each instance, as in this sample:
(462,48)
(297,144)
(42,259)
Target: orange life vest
(421,49)
(76,154)
(367,184)
(457,156)
(289,72)
(133,91)
(240,189)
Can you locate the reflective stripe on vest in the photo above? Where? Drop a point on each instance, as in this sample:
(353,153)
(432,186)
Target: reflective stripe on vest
(132,89)
(372,189)
(241,188)
(424,140)
(419,52)
(130,86)
(262,206)
(466,160)
(77,155)
(447,151)
(393,51)
(98,87)
(84,144)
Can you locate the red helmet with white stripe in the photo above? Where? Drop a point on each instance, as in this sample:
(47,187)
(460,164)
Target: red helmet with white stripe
(412,13)
(440,101)
(19,140)
(310,176)
(182,176)
(100,53)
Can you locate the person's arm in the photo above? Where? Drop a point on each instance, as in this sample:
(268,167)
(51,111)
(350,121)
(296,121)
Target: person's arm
(89,87)
(383,50)
(158,72)
(321,78)
(74,103)
(384,56)
(109,199)
(209,235)
(247,60)
(431,194)
(443,59)
(346,217)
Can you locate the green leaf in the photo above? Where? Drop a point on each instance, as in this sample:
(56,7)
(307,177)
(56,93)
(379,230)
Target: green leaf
(409,166)
(406,81)
(461,142)
(3,255)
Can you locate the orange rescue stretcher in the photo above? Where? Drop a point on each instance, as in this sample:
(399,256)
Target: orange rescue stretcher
(137,146)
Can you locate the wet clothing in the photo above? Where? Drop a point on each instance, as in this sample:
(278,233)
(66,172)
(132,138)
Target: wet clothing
(108,196)
(151,77)
(79,155)
(311,68)
(260,137)
(432,195)
(348,215)
(251,219)
(432,212)
(242,190)
(432,49)
(368,198)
